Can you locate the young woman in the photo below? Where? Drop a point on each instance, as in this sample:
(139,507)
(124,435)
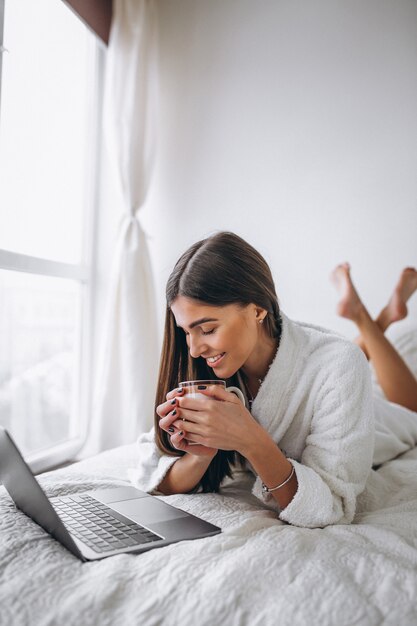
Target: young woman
(311,428)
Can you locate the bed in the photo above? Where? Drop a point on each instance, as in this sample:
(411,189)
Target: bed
(259,570)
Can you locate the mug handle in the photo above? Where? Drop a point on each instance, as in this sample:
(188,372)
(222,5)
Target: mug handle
(238,393)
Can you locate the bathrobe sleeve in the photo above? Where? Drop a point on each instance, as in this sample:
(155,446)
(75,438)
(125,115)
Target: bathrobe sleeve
(152,465)
(337,457)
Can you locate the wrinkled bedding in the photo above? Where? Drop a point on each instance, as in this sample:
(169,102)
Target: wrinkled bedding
(258,571)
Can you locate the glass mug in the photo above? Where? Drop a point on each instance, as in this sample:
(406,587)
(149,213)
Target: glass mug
(191,389)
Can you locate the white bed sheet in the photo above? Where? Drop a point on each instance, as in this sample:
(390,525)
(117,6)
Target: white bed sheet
(258,571)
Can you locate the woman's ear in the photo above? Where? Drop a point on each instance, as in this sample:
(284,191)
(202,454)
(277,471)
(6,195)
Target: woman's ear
(260,314)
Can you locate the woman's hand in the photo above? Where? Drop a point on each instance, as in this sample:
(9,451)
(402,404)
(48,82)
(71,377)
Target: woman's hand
(168,412)
(217,421)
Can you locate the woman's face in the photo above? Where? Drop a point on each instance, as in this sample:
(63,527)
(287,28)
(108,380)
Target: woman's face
(227,337)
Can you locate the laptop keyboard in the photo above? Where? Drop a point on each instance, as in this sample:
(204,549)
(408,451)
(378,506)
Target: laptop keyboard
(98,526)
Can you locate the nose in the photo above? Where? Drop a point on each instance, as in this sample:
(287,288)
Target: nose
(196,346)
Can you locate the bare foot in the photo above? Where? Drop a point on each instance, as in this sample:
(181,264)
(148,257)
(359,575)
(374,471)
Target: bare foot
(396,308)
(350,305)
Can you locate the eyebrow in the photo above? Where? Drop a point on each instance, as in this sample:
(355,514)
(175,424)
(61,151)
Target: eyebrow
(203,320)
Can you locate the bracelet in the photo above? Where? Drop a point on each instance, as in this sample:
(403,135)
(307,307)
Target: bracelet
(266,489)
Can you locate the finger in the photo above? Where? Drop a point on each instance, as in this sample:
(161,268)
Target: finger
(188,445)
(178,440)
(218,392)
(165,408)
(179,413)
(196,417)
(193,404)
(166,422)
(175,417)
(174,392)
(189,427)
(193,449)
(190,438)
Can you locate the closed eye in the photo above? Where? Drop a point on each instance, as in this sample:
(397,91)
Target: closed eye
(209,332)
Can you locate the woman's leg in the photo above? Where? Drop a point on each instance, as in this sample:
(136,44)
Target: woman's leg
(395,378)
(396,309)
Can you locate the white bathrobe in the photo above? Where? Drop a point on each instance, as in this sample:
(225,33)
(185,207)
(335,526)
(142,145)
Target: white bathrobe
(318,405)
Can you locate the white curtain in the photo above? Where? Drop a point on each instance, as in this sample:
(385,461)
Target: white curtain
(125,386)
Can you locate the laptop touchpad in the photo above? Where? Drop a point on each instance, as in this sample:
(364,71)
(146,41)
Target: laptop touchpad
(147,510)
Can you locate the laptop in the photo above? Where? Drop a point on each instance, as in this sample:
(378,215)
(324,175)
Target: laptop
(99,523)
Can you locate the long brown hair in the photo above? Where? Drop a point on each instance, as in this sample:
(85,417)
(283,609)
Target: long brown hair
(220,270)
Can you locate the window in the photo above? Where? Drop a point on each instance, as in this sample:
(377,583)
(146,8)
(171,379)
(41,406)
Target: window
(50,63)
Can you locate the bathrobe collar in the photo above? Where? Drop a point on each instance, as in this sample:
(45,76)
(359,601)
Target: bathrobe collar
(272,399)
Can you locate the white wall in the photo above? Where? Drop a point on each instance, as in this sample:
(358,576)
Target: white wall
(292,123)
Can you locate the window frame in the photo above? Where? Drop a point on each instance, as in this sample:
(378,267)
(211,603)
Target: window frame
(83,273)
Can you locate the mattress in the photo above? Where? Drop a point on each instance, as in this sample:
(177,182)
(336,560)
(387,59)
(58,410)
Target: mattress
(258,571)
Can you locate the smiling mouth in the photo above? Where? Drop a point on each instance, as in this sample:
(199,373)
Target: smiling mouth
(212,360)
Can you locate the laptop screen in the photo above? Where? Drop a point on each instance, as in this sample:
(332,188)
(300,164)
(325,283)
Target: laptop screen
(26,492)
